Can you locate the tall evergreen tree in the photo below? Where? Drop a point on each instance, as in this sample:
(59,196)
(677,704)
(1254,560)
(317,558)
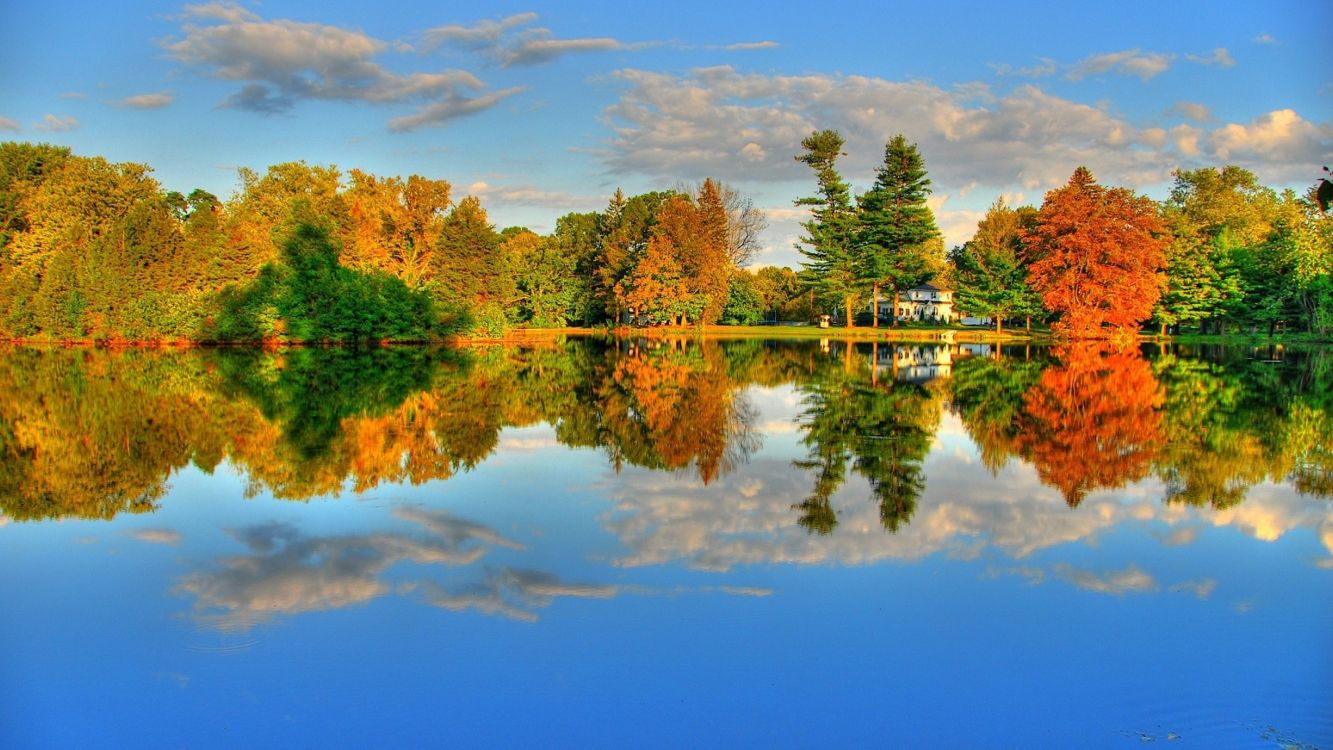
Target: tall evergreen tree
(895,223)
(833,266)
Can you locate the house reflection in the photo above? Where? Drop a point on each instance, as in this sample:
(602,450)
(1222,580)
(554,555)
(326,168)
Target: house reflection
(922,363)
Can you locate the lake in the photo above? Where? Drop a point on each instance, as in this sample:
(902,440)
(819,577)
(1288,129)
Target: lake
(667,543)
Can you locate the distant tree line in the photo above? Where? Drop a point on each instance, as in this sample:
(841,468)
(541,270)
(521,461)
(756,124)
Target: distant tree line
(91,250)
(1221,253)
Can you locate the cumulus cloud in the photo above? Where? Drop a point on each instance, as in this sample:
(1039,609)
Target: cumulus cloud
(1194,111)
(1265,39)
(1281,136)
(722,123)
(1134,62)
(752,45)
(9,124)
(57,123)
(1219,56)
(156,100)
(281,62)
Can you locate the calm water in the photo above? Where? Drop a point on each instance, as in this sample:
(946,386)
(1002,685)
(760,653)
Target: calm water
(668,544)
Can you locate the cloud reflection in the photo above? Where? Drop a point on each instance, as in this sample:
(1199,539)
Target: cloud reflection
(514,593)
(288,572)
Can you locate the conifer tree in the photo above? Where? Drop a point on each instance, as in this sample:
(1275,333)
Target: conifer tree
(832,265)
(895,223)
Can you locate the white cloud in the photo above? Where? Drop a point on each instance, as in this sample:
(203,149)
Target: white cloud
(452,107)
(506,42)
(539,48)
(477,36)
(1278,137)
(696,125)
(1194,111)
(1186,139)
(57,123)
(281,62)
(9,124)
(752,45)
(1219,56)
(1265,39)
(1135,62)
(147,101)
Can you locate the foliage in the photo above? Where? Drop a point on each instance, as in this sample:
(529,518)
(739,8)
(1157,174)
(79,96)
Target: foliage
(310,297)
(894,222)
(1098,256)
(833,266)
(992,267)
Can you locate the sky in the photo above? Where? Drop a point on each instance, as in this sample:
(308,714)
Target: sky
(541,109)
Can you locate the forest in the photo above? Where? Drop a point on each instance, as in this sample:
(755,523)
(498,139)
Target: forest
(94,251)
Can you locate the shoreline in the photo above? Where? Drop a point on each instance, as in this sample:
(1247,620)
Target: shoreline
(776,332)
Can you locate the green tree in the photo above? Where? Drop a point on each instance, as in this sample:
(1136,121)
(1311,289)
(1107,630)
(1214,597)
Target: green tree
(895,224)
(992,268)
(832,263)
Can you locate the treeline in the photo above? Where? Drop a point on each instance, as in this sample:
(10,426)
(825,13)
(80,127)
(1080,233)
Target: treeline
(91,250)
(92,433)
(1221,253)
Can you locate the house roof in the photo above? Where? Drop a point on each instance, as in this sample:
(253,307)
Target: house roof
(928,287)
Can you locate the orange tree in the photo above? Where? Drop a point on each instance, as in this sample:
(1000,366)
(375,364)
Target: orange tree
(1099,257)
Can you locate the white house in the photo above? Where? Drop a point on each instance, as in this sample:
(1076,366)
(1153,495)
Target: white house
(925,302)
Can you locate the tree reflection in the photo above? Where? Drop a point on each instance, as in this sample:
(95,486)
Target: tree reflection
(1092,421)
(883,429)
(93,433)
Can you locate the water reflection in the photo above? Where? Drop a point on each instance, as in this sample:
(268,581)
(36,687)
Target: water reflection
(90,433)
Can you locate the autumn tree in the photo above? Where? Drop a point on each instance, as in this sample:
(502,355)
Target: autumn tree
(1093,421)
(894,224)
(1098,254)
(394,223)
(626,227)
(832,263)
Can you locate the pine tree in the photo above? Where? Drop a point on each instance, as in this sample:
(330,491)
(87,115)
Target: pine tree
(832,267)
(895,223)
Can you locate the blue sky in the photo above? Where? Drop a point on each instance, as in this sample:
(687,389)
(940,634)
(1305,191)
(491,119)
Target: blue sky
(543,109)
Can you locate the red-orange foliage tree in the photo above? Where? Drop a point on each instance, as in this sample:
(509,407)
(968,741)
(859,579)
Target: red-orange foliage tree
(1093,422)
(1099,257)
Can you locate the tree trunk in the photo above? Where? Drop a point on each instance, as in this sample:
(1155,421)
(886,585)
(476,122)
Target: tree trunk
(893,316)
(847,303)
(1163,331)
(1029,324)
(997,325)
(874,305)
